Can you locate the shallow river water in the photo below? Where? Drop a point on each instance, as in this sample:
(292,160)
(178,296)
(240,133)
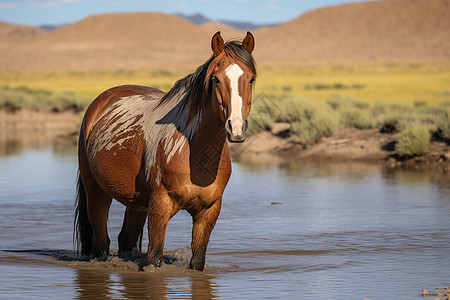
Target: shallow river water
(304,230)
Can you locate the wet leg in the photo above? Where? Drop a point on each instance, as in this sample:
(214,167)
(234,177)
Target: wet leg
(160,210)
(98,204)
(130,236)
(203,223)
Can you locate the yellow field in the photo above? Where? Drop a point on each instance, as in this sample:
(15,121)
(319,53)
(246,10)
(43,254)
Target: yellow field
(90,83)
(400,84)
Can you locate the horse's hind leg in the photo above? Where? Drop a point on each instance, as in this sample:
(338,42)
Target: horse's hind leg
(130,236)
(98,204)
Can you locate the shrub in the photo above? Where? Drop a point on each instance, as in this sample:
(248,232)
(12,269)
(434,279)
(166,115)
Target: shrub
(263,114)
(12,99)
(310,120)
(413,141)
(354,113)
(357,118)
(442,122)
(258,122)
(68,101)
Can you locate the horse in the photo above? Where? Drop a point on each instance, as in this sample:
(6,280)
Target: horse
(158,153)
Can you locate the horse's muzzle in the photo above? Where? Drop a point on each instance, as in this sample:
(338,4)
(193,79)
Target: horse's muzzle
(237,130)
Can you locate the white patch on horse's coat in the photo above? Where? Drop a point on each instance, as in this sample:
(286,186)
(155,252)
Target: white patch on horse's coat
(140,113)
(178,144)
(234,72)
(158,177)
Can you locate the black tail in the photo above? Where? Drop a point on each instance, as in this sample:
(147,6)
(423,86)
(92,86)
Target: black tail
(82,228)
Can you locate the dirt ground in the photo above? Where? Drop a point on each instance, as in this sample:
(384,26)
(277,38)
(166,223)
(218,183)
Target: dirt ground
(346,144)
(37,128)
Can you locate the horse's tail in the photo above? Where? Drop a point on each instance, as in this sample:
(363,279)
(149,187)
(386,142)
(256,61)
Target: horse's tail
(82,228)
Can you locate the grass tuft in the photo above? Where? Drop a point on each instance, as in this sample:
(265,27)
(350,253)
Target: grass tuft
(413,141)
(13,99)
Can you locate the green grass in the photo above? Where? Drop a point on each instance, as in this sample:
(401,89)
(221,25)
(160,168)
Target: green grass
(313,119)
(413,141)
(442,120)
(315,100)
(310,119)
(13,99)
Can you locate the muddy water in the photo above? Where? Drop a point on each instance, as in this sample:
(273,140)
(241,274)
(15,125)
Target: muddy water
(305,231)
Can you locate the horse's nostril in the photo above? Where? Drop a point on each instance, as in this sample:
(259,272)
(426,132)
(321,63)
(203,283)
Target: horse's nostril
(245,126)
(229,124)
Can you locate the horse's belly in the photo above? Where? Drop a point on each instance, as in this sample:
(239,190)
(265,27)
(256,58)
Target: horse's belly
(120,176)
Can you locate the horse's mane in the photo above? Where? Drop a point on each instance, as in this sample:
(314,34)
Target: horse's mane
(195,86)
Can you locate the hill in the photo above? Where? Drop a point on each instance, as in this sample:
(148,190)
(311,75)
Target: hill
(200,19)
(17,34)
(387,31)
(227,31)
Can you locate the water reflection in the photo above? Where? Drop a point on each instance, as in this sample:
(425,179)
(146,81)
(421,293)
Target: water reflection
(13,143)
(285,230)
(410,176)
(351,171)
(98,284)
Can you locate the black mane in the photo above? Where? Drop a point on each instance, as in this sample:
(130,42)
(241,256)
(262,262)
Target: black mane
(196,84)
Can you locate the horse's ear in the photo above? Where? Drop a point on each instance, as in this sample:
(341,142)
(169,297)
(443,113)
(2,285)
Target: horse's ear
(217,44)
(249,42)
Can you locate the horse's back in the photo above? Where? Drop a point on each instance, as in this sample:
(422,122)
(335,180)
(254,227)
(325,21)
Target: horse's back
(109,97)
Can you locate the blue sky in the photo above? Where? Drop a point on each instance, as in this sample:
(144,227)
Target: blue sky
(58,12)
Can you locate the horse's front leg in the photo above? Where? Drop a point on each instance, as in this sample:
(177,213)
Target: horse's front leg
(203,223)
(161,209)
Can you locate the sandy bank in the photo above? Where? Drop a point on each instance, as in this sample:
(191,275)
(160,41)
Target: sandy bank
(36,127)
(346,144)
(39,126)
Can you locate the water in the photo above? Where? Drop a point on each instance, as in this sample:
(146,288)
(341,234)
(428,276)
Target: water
(305,230)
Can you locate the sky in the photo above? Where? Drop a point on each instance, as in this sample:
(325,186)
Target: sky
(60,12)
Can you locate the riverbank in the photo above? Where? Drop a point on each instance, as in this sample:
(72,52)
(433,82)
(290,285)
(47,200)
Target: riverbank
(345,144)
(34,126)
(37,128)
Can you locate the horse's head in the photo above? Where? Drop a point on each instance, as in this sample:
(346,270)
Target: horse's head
(232,75)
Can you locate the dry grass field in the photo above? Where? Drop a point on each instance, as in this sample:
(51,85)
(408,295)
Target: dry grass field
(405,84)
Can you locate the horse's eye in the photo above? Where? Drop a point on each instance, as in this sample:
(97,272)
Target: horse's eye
(252,80)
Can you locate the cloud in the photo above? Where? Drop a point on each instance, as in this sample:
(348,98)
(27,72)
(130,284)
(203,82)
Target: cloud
(8,4)
(35,3)
(272,7)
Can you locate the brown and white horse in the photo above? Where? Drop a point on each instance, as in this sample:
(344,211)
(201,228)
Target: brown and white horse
(158,153)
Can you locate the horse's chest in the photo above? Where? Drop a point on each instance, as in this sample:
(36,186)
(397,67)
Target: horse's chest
(194,179)
(190,193)
(193,197)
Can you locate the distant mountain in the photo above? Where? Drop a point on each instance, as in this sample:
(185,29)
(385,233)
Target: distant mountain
(10,33)
(376,32)
(200,19)
(243,25)
(50,27)
(386,31)
(197,19)
(227,31)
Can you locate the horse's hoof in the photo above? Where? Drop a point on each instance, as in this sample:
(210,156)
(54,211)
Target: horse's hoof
(198,266)
(156,262)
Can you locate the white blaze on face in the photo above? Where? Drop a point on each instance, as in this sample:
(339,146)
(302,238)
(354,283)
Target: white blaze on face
(234,72)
